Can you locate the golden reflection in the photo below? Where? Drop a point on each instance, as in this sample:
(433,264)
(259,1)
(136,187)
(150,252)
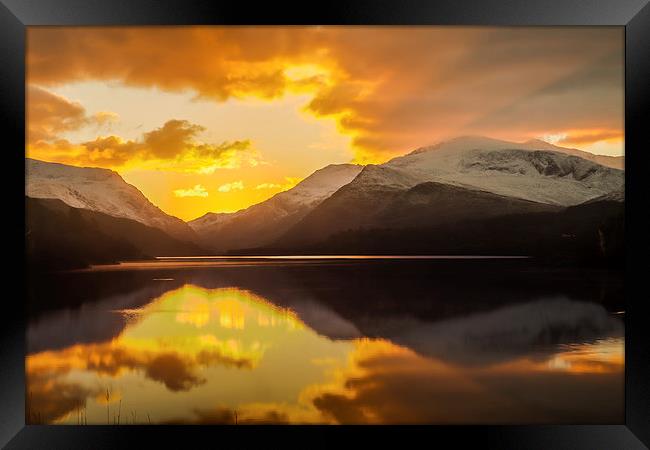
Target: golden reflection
(195,310)
(197,355)
(385,383)
(177,341)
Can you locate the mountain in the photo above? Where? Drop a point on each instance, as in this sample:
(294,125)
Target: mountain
(590,234)
(451,187)
(59,236)
(389,207)
(264,222)
(99,190)
(506,168)
(485,143)
(423,204)
(616,162)
(469,194)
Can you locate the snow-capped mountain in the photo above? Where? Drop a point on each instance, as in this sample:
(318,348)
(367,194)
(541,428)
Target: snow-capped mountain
(264,222)
(458,181)
(100,190)
(490,177)
(486,143)
(530,171)
(616,162)
(59,236)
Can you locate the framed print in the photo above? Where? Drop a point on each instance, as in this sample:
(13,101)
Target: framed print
(423,218)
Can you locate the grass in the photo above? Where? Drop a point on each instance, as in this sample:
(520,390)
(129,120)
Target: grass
(81,411)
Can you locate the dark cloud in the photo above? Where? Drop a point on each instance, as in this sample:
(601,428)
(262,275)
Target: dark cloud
(229,416)
(49,399)
(51,396)
(210,358)
(392,88)
(49,115)
(563,104)
(407,389)
(173,371)
(171,139)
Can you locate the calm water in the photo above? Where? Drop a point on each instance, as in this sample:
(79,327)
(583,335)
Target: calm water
(312,341)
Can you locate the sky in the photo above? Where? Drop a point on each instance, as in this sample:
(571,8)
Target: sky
(215,119)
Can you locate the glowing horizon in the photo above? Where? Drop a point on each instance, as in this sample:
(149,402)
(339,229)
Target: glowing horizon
(215,119)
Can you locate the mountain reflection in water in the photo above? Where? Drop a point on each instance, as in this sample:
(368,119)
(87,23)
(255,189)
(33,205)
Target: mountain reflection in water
(344,342)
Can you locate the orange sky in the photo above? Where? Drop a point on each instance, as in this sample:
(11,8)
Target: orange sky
(218,118)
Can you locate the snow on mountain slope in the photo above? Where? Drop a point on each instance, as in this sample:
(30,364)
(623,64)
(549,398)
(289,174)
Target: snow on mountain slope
(615,162)
(322,183)
(210,220)
(260,224)
(508,168)
(496,177)
(99,190)
(485,143)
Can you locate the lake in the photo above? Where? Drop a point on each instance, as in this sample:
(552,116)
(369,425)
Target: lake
(326,340)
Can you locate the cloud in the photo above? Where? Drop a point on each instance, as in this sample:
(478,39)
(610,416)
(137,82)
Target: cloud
(387,384)
(171,139)
(51,394)
(268,186)
(175,140)
(288,184)
(178,372)
(217,62)
(109,151)
(586,98)
(222,415)
(234,186)
(171,370)
(196,191)
(49,399)
(553,138)
(585,137)
(49,115)
(106,118)
(391,89)
(173,146)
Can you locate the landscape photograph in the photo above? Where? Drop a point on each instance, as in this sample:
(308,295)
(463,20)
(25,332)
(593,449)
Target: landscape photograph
(231,225)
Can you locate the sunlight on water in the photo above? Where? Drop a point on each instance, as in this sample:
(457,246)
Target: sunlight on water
(227,355)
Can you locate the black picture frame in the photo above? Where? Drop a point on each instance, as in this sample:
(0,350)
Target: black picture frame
(634,15)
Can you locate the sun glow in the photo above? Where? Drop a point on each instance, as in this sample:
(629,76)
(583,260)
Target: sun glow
(214,105)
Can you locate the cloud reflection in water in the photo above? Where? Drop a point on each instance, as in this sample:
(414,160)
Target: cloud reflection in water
(225,355)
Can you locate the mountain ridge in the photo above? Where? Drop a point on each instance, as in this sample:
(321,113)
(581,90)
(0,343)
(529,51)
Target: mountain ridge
(477,141)
(468,178)
(489,181)
(265,221)
(101,190)
(59,236)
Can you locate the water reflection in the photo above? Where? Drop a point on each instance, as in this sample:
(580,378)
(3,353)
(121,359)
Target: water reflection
(208,347)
